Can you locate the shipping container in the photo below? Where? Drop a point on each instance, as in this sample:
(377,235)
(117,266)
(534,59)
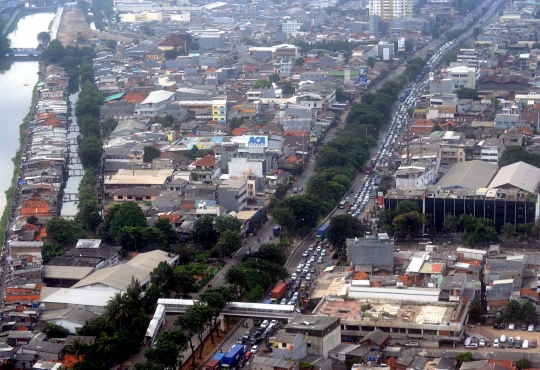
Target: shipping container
(279,291)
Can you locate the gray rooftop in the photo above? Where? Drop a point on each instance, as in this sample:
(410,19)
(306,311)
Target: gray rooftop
(518,175)
(470,174)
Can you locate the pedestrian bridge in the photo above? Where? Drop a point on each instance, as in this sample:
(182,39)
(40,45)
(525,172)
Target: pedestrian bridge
(233,309)
(236,309)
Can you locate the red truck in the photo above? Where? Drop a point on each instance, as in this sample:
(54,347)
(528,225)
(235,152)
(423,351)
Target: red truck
(278,291)
(213,365)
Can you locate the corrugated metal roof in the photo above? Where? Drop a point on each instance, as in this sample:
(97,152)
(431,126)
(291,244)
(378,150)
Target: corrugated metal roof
(113,97)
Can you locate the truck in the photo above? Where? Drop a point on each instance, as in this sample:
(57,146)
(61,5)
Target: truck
(215,362)
(278,292)
(321,232)
(232,357)
(276,230)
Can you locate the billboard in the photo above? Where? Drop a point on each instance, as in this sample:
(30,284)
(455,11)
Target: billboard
(401,44)
(386,54)
(363,79)
(257,141)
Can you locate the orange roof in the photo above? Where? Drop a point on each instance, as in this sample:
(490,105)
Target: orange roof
(42,233)
(360,275)
(526,131)
(206,161)
(211,70)
(29,227)
(296,133)
(527,291)
(23,297)
(291,159)
(172,217)
(36,206)
(135,97)
(239,131)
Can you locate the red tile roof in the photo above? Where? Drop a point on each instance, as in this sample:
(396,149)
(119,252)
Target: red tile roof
(207,161)
(526,131)
(239,131)
(172,40)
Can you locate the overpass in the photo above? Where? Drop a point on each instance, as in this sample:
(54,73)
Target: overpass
(232,309)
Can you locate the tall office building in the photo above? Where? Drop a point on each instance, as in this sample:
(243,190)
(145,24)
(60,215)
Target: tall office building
(390,9)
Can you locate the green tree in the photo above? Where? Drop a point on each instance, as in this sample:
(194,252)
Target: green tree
(228,243)
(523,363)
(288,89)
(184,281)
(90,152)
(195,321)
(63,231)
(163,277)
(342,227)
(32,220)
(299,61)
(274,78)
(164,225)
(409,224)
(235,123)
(54,52)
(217,299)
(50,251)
(285,219)
(508,232)
(527,313)
(264,84)
(227,222)
(436,128)
(203,232)
(53,330)
(466,93)
(119,216)
(44,38)
(150,153)
(148,366)
(512,311)
(254,294)
(164,352)
(111,44)
(464,357)
(78,348)
(450,223)
(171,54)
(271,253)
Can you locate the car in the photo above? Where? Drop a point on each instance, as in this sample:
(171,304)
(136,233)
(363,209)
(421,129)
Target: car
(283,301)
(312,270)
(482,342)
(518,343)
(323,253)
(534,343)
(525,344)
(312,259)
(264,336)
(264,324)
(510,343)
(254,350)
(496,343)
(511,326)
(308,277)
(299,268)
(531,327)
(293,276)
(524,327)
(305,270)
(305,254)
(503,338)
(319,260)
(274,322)
(537,328)
(292,302)
(240,340)
(472,346)
(247,334)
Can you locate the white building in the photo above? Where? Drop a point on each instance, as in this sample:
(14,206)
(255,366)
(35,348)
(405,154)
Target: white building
(156,103)
(467,57)
(418,175)
(461,76)
(181,17)
(291,26)
(140,17)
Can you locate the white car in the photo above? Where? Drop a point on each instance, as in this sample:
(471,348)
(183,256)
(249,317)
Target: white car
(308,277)
(254,349)
(293,276)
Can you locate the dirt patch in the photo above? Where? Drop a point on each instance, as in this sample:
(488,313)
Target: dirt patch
(73,22)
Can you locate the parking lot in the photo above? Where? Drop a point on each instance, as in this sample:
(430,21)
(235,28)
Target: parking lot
(490,333)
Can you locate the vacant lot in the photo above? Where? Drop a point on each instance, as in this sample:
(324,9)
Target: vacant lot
(73,22)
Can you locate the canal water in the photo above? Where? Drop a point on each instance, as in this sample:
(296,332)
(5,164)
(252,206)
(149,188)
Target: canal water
(17,80)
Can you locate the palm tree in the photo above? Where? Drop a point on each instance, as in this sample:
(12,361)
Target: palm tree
(105,346)
(78,348)
(116,312)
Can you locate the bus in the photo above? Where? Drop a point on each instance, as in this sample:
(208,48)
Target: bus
(342,204)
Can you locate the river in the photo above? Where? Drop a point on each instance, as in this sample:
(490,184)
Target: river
(18,79)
